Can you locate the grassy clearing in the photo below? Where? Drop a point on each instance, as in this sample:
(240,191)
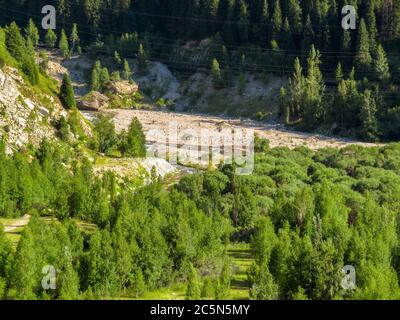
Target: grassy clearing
(15,234)
(174,292)
(242,259)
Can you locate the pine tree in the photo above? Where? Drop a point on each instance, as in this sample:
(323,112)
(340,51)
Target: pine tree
(67,96)
(117,58)
(142,60)
(63,44)
(95,83)
(284,105)
(115,76)
(276,19)
(50,38)
(369,127)
(74,37)
(15,42)
(243,25)
(32,33)
(28,63)
(25,267)
(68,280)
(381,65)
(313,111)
(44,61)
(105,130)
(296,89)
(138,283)
(295,16)
(127,73)
(216,74)
(339,73)
(345,45)
(263,285)
(193,291)
(352,74)
(226,72)
(104,78)
(363,57)
(371,26)
(287,38)
(308,34)
(133,144)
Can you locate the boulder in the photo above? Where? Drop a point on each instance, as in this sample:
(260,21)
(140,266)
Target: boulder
(93,101)
(123,87)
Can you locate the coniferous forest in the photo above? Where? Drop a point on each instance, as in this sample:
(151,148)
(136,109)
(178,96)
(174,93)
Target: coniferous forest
(343,81)
(297,219)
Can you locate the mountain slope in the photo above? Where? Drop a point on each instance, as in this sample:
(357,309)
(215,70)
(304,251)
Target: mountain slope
(26,114)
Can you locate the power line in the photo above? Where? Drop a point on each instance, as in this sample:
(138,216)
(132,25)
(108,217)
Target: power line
(294,51)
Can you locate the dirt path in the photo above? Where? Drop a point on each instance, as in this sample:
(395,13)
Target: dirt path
(17,223)
(275,133)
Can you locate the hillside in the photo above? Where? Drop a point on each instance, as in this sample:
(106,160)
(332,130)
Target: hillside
(26,115)
(307,210)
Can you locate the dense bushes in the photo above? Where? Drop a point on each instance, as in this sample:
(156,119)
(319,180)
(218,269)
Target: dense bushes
(306,215)
(130,143)
(142,241)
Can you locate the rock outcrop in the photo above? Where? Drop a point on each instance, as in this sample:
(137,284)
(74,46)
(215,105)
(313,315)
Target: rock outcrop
(25,114)
(123,87)
(93,101)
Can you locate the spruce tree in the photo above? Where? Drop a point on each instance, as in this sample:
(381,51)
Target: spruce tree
(50,38)
(345,45)
(32,33)
(371,26)
(216,74)
(381,65)
(15,42)
(68,280)
(296,89)
(134,140)
(263,285)
(369,126)
(95,83)
(308,34)
(63,44)
(67,95)
(117,58)
(142,60)
(104,78)
(313,104)
(193,291)
(284,105)
(28,63)
(295,16)
(127,73)
(363,57)
(276,19)
(339,73)
(74,37)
